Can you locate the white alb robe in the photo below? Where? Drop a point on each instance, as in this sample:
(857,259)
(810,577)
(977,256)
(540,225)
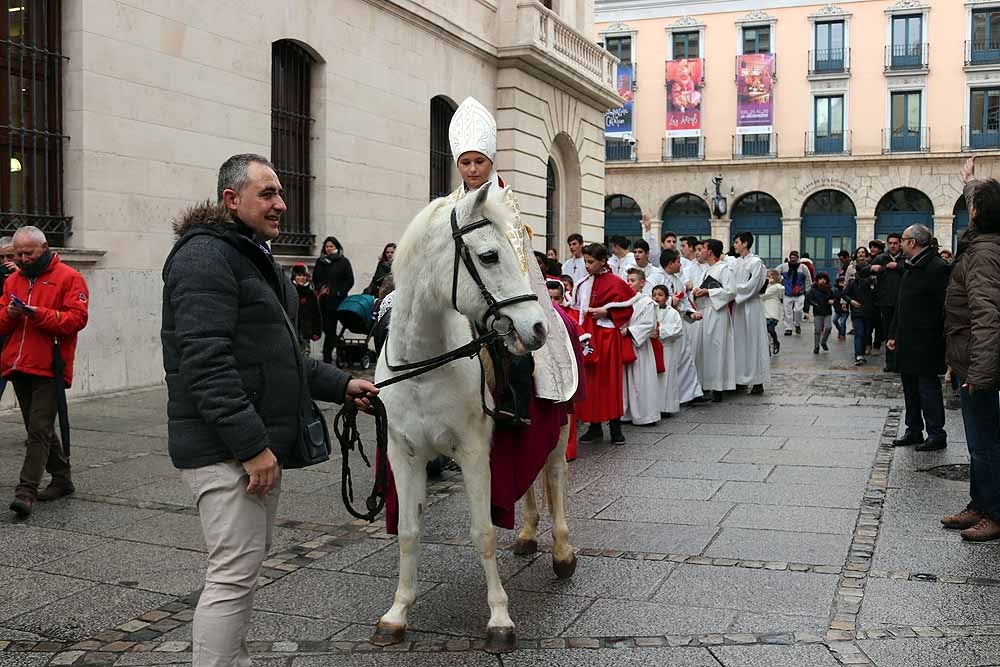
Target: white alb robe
(620,266)
(716,360)
(672,338)
(575,268)
(694,274)
(643,387)
(654,276)
(689,388)
(753,362)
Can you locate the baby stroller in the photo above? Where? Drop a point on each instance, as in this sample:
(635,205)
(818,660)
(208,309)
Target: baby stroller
(355,316)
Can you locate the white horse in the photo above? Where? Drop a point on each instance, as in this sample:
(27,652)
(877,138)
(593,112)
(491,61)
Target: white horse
(441,412)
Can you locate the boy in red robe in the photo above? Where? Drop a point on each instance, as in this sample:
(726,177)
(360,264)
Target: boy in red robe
(610,349)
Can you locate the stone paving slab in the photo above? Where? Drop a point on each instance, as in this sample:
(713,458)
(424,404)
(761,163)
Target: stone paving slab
(767,623)
(741,442)
(24,590)
(675,452)
(84,516)
(740,589)
(609,578)
(399,660)
(928,652)
(793,547)
(441,563)
(823,520)
(646,487)
(661,510)
(890,602)
(793,495)
(267,626)
(634,536)
(639,657)
(774,656)
(346,555)
(24,659)
(792,457)
(26,546)
(955,557)
(624,618)
(743,472)
(851,477)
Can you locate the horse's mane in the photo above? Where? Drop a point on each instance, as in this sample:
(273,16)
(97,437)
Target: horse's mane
(408,249)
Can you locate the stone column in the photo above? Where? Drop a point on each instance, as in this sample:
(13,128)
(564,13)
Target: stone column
(865,231)
(791,235)
(720,230)
(944,230)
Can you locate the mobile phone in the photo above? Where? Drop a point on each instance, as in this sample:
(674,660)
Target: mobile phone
(17,302)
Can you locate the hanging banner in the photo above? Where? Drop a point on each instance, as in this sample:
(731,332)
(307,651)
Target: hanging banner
(618,122)
(684,84)
(755,93)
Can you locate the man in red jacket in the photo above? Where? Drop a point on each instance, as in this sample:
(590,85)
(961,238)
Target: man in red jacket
(44,302)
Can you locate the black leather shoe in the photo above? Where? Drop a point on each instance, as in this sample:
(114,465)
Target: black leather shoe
(757,390)
(908,440)
(594,433)
(932,445)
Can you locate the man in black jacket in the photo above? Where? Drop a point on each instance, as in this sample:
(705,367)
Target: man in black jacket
(238,389)
(917,337)
(888,269)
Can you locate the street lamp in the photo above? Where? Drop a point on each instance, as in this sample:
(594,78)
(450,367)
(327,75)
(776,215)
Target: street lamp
(719,205)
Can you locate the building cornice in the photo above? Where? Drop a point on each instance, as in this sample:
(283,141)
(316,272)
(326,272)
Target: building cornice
(830,11)
(611,11)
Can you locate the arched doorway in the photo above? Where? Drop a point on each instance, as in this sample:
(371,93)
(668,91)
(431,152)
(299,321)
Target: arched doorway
(687,215)
(901,208)
(622,217)
(960,223)
(759,213)
(551,204)
(442,169)
(829,223)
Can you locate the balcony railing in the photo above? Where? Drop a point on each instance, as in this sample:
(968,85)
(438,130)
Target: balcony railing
(755,145)
(905,57)
(980,139)
(618,150)
(982,52)
(774,68)
(906,140)
(683,148)
(828,144)
(830,61)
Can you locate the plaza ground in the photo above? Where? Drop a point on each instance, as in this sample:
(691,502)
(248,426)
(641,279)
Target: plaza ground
(775,530)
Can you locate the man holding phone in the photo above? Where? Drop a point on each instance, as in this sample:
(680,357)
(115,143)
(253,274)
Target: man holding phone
(44,302)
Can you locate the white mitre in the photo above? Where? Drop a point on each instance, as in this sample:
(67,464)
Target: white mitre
(473,129)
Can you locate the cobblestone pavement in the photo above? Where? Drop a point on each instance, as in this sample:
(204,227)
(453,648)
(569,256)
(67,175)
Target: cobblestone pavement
(774,530)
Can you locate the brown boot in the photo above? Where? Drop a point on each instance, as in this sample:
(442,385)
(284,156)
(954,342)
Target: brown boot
(56,489)
(986,530)
(967,518)
(23,502)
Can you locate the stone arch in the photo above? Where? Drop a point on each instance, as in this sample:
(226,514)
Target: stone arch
(686,214)
(760,213)
(901,207)
(622,217)
(567,194)
(829,225)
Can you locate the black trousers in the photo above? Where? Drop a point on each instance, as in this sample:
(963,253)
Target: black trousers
(924,405)
(875,327)
(888,312)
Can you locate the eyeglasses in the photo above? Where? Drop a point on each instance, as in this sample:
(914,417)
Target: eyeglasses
(906,238)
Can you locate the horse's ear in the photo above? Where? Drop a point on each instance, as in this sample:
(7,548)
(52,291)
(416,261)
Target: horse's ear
(481,194)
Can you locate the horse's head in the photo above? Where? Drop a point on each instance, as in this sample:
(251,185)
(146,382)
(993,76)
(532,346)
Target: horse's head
(499,253)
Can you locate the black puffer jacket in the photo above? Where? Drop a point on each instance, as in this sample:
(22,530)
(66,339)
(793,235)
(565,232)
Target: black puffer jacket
(236,380)
(918,324)
(972,311)
(335,273)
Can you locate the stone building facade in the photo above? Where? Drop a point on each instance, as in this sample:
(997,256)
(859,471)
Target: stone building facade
(348,97)
(872,107)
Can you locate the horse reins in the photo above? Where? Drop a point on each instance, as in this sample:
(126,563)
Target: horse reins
(345,425)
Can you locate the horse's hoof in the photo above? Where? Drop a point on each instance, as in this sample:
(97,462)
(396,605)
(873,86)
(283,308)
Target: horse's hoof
(500,640)
(388,635)
(524,547)
(564,569)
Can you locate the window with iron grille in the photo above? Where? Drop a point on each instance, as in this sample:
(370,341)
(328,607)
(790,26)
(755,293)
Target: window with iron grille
(550,202)
(291,125)
(441,160)
(31,139)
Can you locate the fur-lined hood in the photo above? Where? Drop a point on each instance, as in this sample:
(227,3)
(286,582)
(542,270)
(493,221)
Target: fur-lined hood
(205,213)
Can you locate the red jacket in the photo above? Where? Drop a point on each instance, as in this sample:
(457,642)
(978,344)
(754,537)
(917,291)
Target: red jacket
(60,298)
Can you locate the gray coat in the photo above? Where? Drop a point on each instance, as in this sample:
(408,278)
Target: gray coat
(237,382)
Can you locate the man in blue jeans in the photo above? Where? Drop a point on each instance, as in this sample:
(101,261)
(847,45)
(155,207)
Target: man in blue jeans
(972,330)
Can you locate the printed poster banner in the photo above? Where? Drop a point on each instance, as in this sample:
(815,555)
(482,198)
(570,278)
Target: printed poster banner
(755,92)
(618,122)
(684,84)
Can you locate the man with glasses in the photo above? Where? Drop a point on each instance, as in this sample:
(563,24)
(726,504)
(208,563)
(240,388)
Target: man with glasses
(917,338)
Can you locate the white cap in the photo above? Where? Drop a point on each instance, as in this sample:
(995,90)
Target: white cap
(473,129)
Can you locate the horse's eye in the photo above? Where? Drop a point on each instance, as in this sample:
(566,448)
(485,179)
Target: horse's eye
(489,257)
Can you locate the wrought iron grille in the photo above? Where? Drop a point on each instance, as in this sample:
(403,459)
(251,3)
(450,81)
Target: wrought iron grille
(441,113)
(550,203)
(31,138)
(291,125)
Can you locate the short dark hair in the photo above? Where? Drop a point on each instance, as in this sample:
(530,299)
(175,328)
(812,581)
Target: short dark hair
(574,237)
(668,256)
(636,271)
(823,275)
(662,288)
(234,172)
(746,237)
(597,251)
(556,284)
(641,245)
(619,241)
(877,243)
(844,253)
(692,241)
(805,255)
(894,235)
(667,235)
(985,201)
(793,252)
(715,247)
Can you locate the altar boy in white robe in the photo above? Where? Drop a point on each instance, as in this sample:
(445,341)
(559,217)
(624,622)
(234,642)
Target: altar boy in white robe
(716,360)
(686,376)
(753,359)
(670,331)
(644,378)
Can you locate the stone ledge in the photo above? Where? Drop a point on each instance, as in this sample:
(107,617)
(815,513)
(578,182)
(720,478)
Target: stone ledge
(81,257)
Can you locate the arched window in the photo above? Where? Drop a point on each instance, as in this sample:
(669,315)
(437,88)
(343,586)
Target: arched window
(442,167)
(960,223)
(901,208)
(551,193)
(291,126)
(829,225)
(686,215)
(622,217)
(759,213)
(31,139)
